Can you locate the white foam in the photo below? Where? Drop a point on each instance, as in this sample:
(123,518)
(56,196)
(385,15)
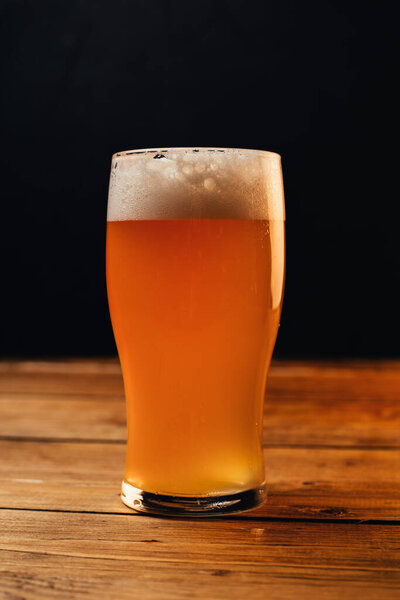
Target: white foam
(195,183)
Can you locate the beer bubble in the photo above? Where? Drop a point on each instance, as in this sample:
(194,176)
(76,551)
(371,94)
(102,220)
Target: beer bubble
(210,184)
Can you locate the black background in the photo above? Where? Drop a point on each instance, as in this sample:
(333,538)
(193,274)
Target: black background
(310,80)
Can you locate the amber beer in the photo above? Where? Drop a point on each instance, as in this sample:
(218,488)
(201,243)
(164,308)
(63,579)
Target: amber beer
(195,304)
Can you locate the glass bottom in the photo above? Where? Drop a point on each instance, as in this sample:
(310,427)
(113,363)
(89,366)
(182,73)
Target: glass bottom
(193,506)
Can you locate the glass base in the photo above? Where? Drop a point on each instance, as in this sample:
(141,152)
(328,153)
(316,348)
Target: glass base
(193,506)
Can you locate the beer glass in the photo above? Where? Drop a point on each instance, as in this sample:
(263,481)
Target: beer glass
(195,271)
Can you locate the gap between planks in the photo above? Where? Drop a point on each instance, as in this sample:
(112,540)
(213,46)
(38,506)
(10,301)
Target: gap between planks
(49,440)
(245,517)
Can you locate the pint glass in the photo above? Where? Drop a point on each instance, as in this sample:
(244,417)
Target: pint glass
(195,270)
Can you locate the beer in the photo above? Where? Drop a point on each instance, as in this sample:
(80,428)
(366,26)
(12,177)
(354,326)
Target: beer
(195,304)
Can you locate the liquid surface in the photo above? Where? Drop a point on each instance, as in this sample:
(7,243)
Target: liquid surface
(195,307)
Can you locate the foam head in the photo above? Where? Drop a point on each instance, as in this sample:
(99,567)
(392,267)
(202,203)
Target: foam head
(178,183)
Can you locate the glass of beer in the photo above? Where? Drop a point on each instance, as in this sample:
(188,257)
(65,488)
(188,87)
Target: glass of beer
(195,272)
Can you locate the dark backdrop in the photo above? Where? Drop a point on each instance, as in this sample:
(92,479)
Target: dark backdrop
(82,79)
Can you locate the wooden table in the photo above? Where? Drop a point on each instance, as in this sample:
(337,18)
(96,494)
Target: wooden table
(330,529)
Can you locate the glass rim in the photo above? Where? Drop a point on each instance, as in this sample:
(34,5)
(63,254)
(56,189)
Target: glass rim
(161,149)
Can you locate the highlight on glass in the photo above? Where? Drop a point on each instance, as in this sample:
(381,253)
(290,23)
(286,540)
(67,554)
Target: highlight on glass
(195,274)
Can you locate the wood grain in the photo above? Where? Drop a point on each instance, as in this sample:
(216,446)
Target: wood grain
(303,483)
(40,576)
(371,380)
(238,542)
(95,556)
(330,528)
(296,421)
(95,417)
(306,405)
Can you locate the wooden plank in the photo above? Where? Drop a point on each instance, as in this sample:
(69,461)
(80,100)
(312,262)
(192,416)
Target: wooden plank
(368,380)
(343,421)
(295,421)
(69,366)
(62,383)
(347,368)
(132,556)
(39,576)
(239,542)
(303,483)
(82,376)
(62,416)
(306,368)
(331,384)
(306,404)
